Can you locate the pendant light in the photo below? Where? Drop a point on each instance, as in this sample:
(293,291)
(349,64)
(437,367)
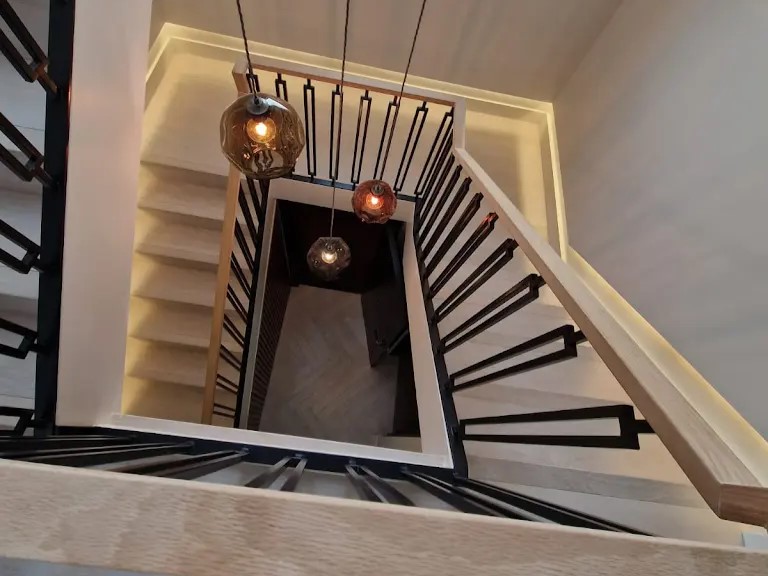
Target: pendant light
(329,255)
(261,135)
(374,201)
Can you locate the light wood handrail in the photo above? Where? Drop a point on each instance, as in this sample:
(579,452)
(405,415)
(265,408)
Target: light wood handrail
(89,518)
(722,455)
(220,296)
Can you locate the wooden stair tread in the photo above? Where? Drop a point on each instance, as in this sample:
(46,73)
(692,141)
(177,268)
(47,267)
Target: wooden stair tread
(180,192)
(175,364)
(179,241)
(163,281)
(165,322)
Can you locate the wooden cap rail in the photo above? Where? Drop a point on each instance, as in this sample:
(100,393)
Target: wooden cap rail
(177,527)
(722,455)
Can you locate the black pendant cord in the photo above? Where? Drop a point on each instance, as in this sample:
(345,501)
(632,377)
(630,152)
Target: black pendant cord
(341,115)
(402,87)
(247,52)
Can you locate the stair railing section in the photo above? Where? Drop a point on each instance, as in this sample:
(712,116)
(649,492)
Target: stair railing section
(183,458)
(235,299)
(725,459)
(316,95)
(23,159)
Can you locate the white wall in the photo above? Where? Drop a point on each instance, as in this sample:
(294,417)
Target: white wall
(665,167)
(105,139)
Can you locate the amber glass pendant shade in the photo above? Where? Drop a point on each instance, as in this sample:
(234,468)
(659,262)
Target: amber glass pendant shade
(328,256)
(374,201)
(262,136)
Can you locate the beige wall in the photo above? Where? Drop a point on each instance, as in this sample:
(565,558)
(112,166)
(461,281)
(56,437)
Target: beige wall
(665,165)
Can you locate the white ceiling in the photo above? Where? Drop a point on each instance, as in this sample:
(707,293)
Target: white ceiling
(526,48)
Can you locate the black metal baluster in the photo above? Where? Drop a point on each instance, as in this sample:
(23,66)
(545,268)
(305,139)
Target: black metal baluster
(387,491)
(229,357)
(247,216)
(186,468)
(461,504)
(253,80)
(239,274)
(333,166)
(547,510)
(236,304)
(226,384)
(280,82)
(489,267)
(98,455)
(361,486)
(365,98)
(627,439)
(495,506)
(244,248)
(32,250)
(34,165)
(531,282)
(233,331)
(402,169)
(292,477)
(447,210)
(224,411)
(34,70)
(310,126)
(258,203)
(29,443)
(473,243)
(434,152)
(443,154)
(266,478)
(469,212)
(384,131)
(566,333)
(28,340)
(436,203)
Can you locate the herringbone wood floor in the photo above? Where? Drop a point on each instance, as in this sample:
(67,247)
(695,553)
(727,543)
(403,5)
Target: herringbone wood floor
(322,385)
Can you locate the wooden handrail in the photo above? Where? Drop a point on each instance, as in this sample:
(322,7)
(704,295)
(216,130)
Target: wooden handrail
(220,296)
(301,534)
(723,456)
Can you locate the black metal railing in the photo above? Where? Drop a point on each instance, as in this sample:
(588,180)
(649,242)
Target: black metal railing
(241,299)
(27,163)
(383,136)
(284,470)
(445,209)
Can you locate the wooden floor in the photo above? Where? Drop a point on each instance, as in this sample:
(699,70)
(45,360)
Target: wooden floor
(322,385)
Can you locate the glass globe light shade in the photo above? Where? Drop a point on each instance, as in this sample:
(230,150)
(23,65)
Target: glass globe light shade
(374,201)
(328,256)
(262,136)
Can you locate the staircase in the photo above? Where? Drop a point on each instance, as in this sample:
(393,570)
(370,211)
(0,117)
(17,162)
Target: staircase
(178,234)
(571,449)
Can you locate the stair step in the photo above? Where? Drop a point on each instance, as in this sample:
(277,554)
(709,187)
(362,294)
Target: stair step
(177,191)
(18,285)
(180,324)
(175,364)
(160,280)
(157,236)
(575,376)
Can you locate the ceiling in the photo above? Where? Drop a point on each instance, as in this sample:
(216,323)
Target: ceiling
(526,48)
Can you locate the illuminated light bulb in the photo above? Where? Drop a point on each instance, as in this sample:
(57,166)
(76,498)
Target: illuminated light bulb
(374,201)
(328,256)
(262,136)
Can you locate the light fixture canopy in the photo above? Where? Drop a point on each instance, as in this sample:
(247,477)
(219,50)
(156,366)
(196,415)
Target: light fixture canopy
(374,201)
(262,135)
(328,257)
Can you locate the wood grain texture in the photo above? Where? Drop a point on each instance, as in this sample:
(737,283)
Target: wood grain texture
(702,447)
(174,527)
(220,298)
